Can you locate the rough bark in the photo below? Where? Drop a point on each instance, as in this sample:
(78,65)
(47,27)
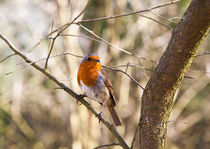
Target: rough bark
(157,99)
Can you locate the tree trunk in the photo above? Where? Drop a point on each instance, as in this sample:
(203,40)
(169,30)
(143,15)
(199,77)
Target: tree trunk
(157,99)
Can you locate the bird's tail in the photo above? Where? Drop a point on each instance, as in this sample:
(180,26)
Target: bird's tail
(114,115)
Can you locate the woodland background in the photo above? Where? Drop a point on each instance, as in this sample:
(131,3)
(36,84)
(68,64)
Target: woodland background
(34,114)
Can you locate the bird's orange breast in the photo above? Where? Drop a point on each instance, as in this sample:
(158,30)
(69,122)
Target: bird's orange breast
(88,73)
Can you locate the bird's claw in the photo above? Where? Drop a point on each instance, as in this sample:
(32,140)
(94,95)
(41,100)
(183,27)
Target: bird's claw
(99,115)
(81,96)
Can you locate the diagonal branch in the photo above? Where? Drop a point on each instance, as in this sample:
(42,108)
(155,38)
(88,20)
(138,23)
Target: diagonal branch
(103,40)
(150,18)
(79,98)
(7,57)
(115,69)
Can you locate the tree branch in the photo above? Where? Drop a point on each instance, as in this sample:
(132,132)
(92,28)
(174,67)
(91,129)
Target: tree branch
(157,99)
(79,98)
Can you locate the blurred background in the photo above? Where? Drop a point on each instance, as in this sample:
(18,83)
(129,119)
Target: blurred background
(35,115)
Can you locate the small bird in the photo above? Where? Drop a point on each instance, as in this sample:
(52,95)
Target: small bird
(95,84)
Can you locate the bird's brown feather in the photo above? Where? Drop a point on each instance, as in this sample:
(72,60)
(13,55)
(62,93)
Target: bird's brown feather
(110,103)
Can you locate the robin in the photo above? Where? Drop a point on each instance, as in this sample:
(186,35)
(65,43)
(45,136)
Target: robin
(95,84)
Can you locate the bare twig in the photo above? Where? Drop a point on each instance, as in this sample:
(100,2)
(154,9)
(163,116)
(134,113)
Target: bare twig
(127,14)
(8,73)
(168,27)
(155,21)
(82,36)
(7,57)
(115,69)
(149,60)
(135,66)
(202,54)
(109,126)
(50,46)
(58,29)
(112,45)
(188,77)
(57,55)
(37,44)
(107,145)
(127,66)
(162,17)
(62,29)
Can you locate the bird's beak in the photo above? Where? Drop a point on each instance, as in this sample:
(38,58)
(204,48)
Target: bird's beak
(97,60)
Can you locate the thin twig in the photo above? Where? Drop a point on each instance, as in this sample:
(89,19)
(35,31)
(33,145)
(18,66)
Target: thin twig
(135,66)
(162,17)
(112,45)
(62,29)
(127,66)
(81,36)
(57,55)
(115,69)
(50,46)
(8,73)
(58,29)
(109,126)
(155,21)
(7,57)
(145,74)
(107,145)
(188,77)
(202,54)
(168,27)
(149,60)
(38,43)
(127,14)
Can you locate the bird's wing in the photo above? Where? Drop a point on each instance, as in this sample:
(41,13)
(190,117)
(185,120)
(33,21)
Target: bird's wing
(110,88)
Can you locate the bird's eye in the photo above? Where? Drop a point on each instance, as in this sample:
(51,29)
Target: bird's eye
(89,59)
